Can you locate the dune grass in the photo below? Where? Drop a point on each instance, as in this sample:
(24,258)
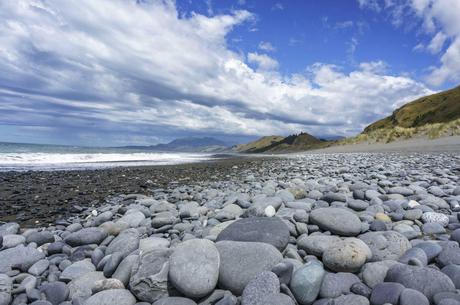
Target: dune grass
(387,135)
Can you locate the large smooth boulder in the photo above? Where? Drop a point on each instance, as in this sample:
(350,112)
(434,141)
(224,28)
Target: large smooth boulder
(19,257)
(86,236)
(149,280)
(306,282)
(194,267)
(386,245)
(111,297)
(428,281)
(242,261)
(347,255)
(338,221)
(271,230)
(125,243)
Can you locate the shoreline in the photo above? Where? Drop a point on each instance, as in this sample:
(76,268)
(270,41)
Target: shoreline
(48,195)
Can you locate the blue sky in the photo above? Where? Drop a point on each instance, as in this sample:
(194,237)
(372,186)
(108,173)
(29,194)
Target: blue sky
(143,72)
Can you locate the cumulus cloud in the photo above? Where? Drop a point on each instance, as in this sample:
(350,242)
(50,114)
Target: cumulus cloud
(127,70)
(439,20)
(263,61)
(266,46)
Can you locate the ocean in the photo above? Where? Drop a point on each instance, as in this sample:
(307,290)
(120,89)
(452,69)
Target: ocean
(23,157)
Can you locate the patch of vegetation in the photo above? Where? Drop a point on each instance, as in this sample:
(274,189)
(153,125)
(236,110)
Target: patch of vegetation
(387,135)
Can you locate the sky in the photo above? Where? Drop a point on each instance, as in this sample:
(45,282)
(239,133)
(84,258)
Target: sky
(127,72)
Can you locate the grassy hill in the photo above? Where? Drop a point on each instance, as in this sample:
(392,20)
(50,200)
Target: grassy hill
(441,107)
(431,117)
(277,144)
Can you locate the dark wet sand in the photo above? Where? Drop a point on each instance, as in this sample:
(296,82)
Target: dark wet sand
(40,197)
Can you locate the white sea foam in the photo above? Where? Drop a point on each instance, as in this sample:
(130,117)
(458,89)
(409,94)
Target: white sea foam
(52,161)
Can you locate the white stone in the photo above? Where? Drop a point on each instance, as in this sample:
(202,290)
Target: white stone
(270,211)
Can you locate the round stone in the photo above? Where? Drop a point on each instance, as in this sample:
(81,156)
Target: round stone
(242,261)
(412,297)
(386,245)
(428,281)
(258,229)
(317,244)
(194,267)
(174,301)
(338,221)
(86,236)
(110,297)
(306,282)
(384,293)
(347,255)
(259,287)
(453,271)
(430,217)
(336,284)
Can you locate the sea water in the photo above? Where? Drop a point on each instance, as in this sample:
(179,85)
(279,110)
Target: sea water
(21,157)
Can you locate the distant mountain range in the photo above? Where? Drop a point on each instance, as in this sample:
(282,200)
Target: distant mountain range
(191,144)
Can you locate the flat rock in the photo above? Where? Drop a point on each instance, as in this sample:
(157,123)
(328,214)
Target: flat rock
(194,267)
(338,221)
(271,230)
(242,261)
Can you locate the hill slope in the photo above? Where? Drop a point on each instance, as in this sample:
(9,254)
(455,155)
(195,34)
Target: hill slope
(258,144)
(292,143)
(441,107)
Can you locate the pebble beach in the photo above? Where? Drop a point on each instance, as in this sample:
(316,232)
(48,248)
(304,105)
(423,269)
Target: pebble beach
(322,229)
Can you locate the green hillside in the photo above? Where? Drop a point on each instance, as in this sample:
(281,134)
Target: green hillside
(441,107)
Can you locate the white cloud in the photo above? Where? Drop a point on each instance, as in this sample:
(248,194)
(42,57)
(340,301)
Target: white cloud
(121,67)
(266,46)
(344,24)
(263,61)
(442,16)
(277,7)
(439,20)
(377,67)
(437,43)
(370,4)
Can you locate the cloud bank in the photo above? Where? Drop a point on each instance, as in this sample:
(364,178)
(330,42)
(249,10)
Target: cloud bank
(124,72)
